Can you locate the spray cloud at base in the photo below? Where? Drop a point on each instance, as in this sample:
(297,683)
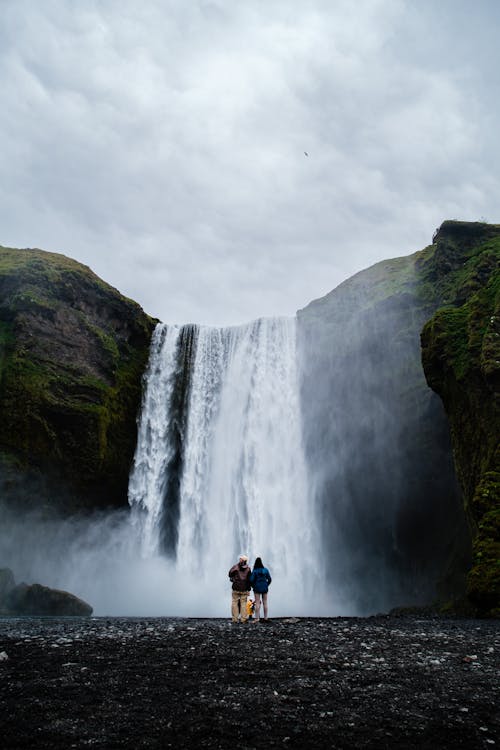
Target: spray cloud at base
(377,444)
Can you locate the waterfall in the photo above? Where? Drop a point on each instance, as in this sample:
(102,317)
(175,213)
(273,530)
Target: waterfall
(219,467)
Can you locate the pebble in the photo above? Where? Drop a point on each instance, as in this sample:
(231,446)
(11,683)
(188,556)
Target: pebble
(372,680)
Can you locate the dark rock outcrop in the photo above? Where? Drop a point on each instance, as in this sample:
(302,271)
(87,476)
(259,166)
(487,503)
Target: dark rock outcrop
(34,599)
(72,354)
(461,358)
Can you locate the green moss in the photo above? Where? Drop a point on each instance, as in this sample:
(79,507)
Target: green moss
(39,267)
(483,583)
(72,353)
(6,345)
(487,495)
(108,342)
(461,358)
(448,332)
(384,280)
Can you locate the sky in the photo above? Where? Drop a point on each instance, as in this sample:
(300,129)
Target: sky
(219,161)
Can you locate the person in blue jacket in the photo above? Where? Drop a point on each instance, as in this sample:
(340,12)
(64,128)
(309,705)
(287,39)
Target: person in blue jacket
(260,579)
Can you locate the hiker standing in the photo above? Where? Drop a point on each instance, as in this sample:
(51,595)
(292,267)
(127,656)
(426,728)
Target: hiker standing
(240,578)
(260,580)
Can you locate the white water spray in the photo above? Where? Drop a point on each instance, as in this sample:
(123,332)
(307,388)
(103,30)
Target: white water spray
(242,485)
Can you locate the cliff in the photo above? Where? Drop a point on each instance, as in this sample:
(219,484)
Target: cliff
(72,354)
(378,441)
(387,455)
(461,358)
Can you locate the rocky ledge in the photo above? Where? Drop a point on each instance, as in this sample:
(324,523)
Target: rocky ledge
(380,682)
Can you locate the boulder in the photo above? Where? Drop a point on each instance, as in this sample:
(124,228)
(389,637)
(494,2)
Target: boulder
(35,599)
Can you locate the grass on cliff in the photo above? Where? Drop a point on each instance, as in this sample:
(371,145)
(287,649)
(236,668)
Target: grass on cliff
(72,354)
(461,355)
(37,265)
(367,288)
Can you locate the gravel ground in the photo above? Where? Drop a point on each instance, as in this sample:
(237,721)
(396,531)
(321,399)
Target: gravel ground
(379,682)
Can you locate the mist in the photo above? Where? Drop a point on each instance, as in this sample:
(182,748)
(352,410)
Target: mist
(377,444)
(99,558)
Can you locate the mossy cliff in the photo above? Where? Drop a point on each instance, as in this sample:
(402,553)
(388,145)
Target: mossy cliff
(409,483)
(72,354)
(461,358)
(378,441)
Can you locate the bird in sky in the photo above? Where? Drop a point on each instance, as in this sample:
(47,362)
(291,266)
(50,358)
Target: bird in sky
(305,153)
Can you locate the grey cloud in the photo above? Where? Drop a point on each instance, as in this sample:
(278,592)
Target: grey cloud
(163,144)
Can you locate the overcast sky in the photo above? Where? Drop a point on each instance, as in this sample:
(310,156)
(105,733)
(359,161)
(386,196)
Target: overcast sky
(162,142)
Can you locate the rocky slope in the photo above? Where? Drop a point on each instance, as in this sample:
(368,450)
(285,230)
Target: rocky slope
(461,357)
(72,354)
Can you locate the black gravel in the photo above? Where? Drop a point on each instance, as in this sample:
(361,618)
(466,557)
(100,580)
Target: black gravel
(380,682)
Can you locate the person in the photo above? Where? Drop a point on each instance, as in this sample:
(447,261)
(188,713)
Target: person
(239,576)
(260,580)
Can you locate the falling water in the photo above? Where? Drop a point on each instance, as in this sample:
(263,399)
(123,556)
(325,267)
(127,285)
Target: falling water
(155,450)
(219,467)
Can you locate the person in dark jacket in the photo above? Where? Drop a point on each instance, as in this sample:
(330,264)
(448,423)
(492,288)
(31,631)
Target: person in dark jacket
(260,580)
(240,579)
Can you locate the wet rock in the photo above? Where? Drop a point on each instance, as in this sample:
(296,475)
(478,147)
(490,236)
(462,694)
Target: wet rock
(35,599)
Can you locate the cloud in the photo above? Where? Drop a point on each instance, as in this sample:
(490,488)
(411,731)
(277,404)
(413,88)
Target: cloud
(163,144)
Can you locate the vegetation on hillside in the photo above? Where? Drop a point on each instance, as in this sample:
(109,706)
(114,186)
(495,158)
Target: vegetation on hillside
(72,354)
(461,358)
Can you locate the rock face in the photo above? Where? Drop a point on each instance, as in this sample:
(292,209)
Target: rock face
(378,436)
(461,357)
(378,441)
(35,599)
(72,354)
